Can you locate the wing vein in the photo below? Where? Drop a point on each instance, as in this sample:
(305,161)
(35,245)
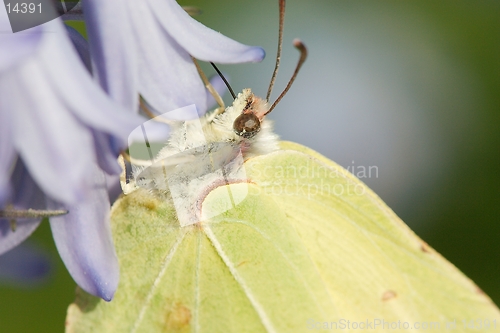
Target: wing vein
(197,287)
(266,322)
(163,269)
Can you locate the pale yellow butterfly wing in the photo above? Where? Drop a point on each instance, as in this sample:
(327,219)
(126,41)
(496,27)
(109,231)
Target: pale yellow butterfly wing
(296,254)
(373,265)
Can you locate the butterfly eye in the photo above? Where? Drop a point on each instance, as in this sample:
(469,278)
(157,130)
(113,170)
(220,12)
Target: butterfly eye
(246,125)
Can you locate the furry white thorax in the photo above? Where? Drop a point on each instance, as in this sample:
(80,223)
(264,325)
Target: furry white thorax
(187,135)
(200,137)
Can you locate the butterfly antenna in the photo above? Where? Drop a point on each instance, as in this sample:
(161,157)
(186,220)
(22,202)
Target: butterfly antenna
(280,44)
(303,55)
(224,79)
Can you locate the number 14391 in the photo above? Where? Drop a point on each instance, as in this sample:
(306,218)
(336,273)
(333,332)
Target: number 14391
(24,8)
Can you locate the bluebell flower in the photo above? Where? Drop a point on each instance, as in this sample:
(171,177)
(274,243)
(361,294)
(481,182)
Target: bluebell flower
(26,266)
(146,46)
(60,132)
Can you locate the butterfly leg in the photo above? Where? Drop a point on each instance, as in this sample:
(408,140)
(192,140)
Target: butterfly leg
(212,91)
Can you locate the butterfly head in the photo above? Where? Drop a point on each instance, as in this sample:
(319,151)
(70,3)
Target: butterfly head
(253,109)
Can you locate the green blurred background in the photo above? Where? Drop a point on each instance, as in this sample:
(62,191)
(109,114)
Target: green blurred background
(411,87)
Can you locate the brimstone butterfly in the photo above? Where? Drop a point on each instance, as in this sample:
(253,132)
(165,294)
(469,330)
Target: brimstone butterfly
(300,245)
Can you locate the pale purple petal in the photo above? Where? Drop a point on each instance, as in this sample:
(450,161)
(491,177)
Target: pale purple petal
(111,47)
(168,78)
(83,239)
(114,187)
(10,239)
(111,42)
(81,46)
(25,266)
(200,41)
(15,47)
(55,146)
(219,86)
(106,152)
(25,194)
(98,112)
